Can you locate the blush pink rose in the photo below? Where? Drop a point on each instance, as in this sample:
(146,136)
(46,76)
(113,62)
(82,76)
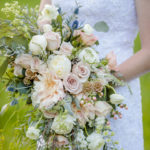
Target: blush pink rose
(82,71)
(24,60)
(65,49)
(87,39)
(112,60)
(72,84)
(53,40)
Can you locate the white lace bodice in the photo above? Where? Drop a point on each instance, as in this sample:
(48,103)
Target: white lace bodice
(120,16)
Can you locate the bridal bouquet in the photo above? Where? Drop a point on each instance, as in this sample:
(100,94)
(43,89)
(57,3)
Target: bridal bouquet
(53,65)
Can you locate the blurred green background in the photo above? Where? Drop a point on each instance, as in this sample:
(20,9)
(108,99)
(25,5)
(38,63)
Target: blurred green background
(9,119)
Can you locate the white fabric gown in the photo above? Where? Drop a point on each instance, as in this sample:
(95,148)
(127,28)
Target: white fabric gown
(120,16)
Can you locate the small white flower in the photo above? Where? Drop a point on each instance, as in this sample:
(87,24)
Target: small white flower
(63,124)
(38,44)
(33,133)
(88,29)
(96,141)
(18,70)
(50,11)
(61,65)
(81,140)
(47,28)
(116,99)
(89,55)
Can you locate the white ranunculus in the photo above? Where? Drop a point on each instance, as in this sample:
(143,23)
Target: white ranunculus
(102,108)
(116,99)
(50,11)
(63,124)
(61,65)
(88,29)
(96,141)
(47,28)
(89,55)
(33,133)
(38,44)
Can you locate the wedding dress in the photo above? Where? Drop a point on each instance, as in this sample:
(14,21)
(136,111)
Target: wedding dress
(120,16)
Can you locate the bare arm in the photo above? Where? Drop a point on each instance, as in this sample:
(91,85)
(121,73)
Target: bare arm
(139,63)
(43,2)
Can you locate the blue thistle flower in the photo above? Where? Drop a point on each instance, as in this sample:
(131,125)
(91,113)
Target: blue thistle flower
(75,24)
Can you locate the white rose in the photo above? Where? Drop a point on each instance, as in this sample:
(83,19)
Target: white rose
(47,28)
(88,29)
(63,124)
(116,99)
(89,55)
(53,40)
(50,12)
(33,133)
(102,108)
(61,65)
(38,44)
(96,141)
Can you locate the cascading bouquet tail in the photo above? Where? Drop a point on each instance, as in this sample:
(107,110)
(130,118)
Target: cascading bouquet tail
(54,67)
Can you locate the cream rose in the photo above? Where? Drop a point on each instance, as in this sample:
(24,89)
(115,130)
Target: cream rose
(89,55)
(50,12)
(53,40)
(82,71)
(88,29)
(102,108)
(72,83)
(65,49)
(87,39)
(61,65)
(38,44)
(24,60)
(116,99)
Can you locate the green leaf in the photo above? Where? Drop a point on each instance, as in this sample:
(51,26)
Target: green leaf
(101,26)
(3,65)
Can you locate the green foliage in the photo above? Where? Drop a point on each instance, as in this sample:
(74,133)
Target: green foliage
(101,26)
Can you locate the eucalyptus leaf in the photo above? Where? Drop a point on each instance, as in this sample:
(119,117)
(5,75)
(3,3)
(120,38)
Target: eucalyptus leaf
(101,26)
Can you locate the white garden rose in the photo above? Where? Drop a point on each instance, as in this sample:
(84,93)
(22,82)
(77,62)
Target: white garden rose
(50,12)
(89,55)
(116,99)
(63,124)
(47,28)
(88,29)
(102,108)
(38,44)
(60,64)
(33,133)
(96,141)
